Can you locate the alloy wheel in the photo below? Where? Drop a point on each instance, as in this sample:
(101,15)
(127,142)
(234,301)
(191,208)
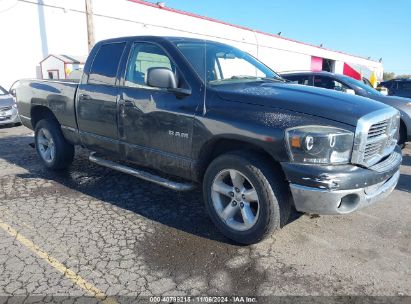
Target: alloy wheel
(46,145)
(235,200)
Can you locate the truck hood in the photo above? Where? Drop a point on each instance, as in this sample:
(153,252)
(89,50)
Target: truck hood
(320,102)
(6,101)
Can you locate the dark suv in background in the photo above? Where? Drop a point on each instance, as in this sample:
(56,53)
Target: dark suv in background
(346,84)
(398,87)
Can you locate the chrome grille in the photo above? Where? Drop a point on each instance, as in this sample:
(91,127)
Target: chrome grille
(6,108)
(376,139)
(376,136)
(371,149)
(378,129)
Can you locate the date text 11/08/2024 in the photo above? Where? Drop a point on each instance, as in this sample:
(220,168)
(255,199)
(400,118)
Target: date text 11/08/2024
(204,299)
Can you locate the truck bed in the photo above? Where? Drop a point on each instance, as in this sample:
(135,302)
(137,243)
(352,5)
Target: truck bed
(55,95)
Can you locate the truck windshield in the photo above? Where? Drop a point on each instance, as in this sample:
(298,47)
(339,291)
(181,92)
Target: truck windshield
(217,63)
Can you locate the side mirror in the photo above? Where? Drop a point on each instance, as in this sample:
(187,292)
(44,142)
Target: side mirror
(350,91)
(162,78)
(13,92)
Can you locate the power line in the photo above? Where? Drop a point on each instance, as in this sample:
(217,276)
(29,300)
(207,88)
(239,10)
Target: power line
(7,8)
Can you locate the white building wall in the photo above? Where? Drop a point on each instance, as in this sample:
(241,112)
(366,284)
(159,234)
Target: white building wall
(339,67)
(52,63)
(281,61)
(30,32)
(59,27)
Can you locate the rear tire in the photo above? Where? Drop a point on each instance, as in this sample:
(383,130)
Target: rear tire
(249,218)
(53,149)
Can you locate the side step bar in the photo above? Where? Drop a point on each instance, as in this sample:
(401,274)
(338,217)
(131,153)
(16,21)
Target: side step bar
(141,174)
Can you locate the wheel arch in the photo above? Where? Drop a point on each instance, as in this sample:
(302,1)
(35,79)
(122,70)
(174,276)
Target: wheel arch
(214,148)
(39,112)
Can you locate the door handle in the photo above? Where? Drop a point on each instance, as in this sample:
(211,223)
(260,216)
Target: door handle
(123,104)
(85,97)
(128,103)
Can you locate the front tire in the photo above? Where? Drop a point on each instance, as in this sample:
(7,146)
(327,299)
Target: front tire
(246,196)
(53,149)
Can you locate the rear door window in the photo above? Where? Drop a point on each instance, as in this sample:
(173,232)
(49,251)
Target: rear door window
(391,85)
(105,64)
(404,86)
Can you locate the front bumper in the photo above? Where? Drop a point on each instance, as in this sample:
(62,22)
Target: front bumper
(9,117)
(341,189)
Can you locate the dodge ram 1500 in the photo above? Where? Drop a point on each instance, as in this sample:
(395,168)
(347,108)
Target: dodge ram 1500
(211,114)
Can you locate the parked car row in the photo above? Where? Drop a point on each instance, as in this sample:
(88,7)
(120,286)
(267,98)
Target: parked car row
(8,109)
(349,85)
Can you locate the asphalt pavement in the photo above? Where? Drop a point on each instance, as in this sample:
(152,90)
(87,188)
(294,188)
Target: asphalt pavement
(91,231)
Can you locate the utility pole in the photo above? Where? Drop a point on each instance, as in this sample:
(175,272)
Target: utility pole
(90,24)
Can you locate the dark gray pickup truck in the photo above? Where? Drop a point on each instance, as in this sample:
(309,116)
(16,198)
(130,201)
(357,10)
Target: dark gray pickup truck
(209,113)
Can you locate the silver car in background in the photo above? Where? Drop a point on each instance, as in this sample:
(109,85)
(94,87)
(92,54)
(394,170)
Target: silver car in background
(8,109)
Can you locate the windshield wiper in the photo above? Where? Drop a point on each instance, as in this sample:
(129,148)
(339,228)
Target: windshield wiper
(275,79)
(248,77)
(243,77)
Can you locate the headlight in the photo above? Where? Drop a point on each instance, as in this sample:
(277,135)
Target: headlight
(319,145)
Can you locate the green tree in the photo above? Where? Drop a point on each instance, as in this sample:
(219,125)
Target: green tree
(388,75)
(403,76)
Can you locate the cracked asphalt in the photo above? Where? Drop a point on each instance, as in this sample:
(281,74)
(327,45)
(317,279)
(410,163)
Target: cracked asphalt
(91,229)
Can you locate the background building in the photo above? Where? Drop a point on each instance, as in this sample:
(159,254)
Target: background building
(61,66)
(34,29)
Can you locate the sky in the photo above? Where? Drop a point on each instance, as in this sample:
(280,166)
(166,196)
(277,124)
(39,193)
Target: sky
(376,29)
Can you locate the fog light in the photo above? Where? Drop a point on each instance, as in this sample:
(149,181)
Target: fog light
(349,203)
